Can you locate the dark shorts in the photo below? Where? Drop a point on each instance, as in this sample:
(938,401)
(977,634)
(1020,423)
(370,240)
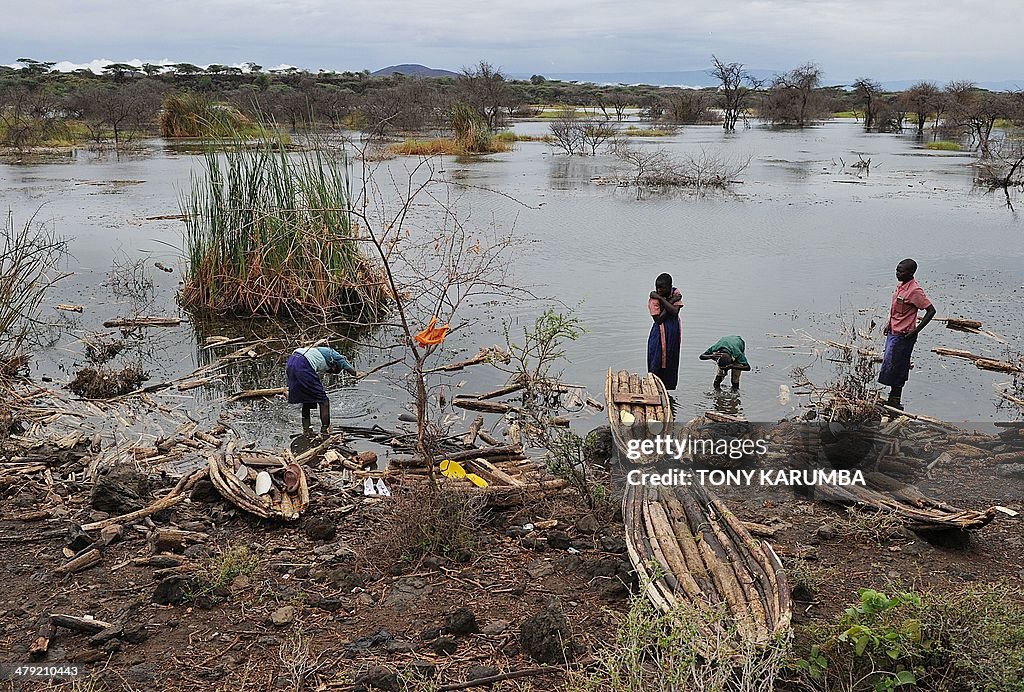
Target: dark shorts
(304,385)
(896,361)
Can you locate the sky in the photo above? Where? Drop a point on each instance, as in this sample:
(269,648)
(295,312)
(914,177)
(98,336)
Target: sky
(885,40)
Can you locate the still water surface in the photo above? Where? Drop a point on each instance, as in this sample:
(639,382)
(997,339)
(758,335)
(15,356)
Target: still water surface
(802,243)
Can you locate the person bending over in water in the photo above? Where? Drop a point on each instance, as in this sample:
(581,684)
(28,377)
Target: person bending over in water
(666,337)
(305,366)
(729,352)
(901,330)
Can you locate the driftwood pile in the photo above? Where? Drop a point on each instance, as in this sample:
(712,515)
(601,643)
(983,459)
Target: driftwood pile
(511,477)
(687,546)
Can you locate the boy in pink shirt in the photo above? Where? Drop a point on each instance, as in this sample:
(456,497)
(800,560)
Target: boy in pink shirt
(902,329)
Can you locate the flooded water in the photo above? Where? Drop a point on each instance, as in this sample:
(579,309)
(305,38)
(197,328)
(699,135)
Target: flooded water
(802,243)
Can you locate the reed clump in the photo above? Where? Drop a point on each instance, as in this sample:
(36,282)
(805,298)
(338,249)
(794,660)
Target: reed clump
(270,233)
(187,114)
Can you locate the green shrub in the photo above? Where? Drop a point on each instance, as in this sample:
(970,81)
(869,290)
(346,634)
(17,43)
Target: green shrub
(944,145)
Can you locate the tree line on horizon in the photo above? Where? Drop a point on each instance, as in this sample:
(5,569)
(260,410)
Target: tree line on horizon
(39,106)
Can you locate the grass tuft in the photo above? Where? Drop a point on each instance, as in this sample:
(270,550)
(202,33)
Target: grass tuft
(944,145)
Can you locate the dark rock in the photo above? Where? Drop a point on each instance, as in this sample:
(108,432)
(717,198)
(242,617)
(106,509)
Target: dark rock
(588,524)
(134,633)
(433,562)
(345,578)
(358,646)
(78,539)
(119,489)
(461,622)
(546,638)
(480,672)
(320,530)
(539,569)
(165,561)
(378,678)
(613,544)
(206,602)
(600,447)
(558,540)
(173,590)
(105,635)
(606,567)
(420,670)
(444,646)
(142,672)
(827,532)
(430,634)
(535,543)
(399,647)
(204,491)
(301,572)
(331,605)
(197,551)
(569,563)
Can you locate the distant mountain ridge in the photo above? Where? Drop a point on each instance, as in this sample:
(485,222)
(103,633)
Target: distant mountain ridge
(413,70)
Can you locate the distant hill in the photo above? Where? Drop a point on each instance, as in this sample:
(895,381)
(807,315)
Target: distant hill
(413,71)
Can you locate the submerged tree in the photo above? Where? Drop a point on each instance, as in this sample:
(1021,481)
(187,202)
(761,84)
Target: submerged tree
(794,97)
(867,94)
(735,91)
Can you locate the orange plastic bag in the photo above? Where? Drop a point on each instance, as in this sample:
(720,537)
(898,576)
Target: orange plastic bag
(432,335)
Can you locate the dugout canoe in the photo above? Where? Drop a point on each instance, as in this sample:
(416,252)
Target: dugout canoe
(235,477)
(688,548)
(644,401)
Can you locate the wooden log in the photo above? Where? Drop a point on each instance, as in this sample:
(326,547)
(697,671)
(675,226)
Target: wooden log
(997,365)
(486,437)
(84,561)
(41,644)
(961,324)
(757,529)
(594,404)
(481,465)
(956,353)
(485,406)
(469,439)
(504,391)
(129,322)
(78,624)
(66,307)
(174,540)
(256,393)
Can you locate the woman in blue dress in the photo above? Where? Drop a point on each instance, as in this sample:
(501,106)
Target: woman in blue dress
(666,333)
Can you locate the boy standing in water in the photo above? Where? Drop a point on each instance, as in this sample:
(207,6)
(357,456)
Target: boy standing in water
(305,366)
(902,329)
(730,353)
(666,337)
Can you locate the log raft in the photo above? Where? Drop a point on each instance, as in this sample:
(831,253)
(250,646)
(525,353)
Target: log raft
(642,399)
(687,547)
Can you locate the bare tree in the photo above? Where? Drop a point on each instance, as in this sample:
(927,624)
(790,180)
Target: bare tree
(793,97)
(701,170)
(564,129)
(125,108)
(593,133)
(484,87)
(735,92)
(923,99)
(976,112)
(689,106)
(867,94)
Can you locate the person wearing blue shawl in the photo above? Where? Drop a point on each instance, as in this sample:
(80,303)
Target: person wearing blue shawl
(305,386)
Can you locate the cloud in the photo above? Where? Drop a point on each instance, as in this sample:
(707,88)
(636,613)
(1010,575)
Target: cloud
(939,39)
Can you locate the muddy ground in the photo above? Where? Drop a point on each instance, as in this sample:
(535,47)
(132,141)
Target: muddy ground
(337,601)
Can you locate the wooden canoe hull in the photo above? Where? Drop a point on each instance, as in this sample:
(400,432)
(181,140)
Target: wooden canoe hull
(276,505)
(645,398)
(687,547)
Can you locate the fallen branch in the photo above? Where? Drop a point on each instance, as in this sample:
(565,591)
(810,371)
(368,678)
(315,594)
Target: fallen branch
(257,393)
(997,365)
(130,322)
(486,681)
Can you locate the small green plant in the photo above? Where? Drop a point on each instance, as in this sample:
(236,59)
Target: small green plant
(567,457)
(219,571)
(944,145)
(971,638)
